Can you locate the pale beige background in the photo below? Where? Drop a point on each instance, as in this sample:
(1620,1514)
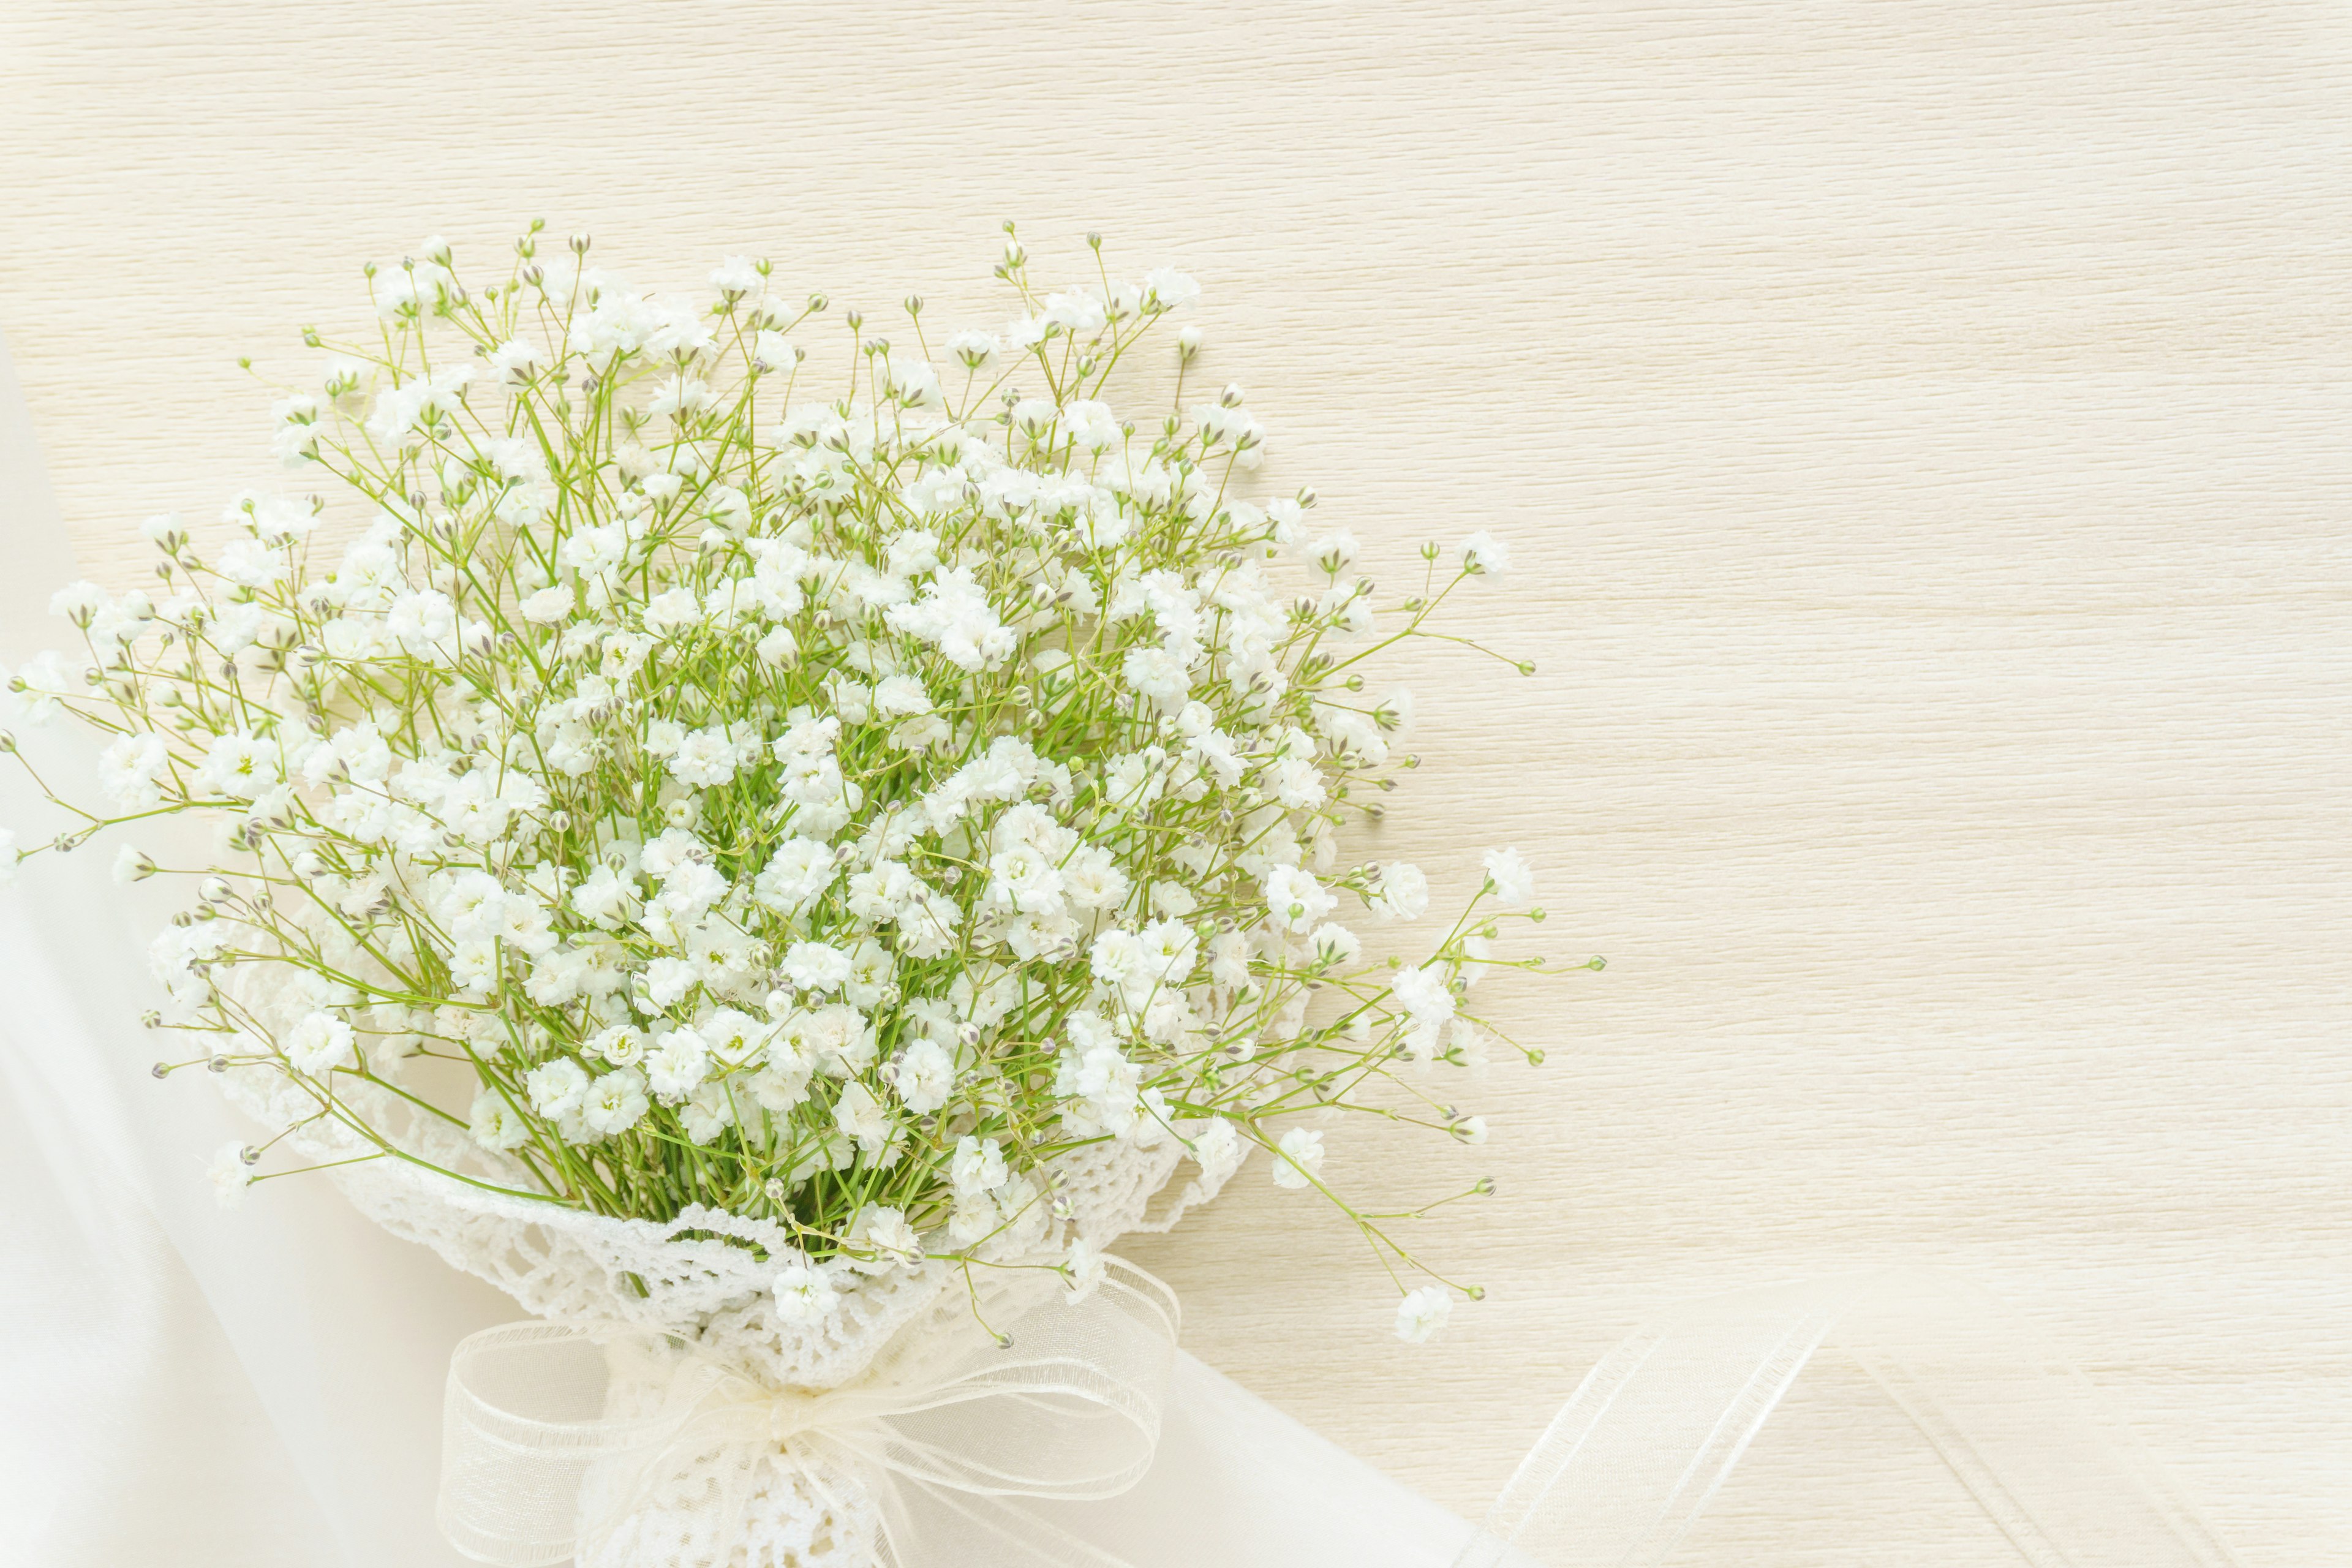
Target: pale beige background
(1924,430)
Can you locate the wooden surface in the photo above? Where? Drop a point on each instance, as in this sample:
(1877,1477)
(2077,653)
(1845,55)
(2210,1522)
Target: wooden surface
(1923,429)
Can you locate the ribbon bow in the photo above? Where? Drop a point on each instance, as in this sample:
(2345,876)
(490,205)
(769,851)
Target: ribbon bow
(945,1427)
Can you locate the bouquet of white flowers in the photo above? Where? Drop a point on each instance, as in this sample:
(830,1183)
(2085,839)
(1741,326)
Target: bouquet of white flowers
(781,858)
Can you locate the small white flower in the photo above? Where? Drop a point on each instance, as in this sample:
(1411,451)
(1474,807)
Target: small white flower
(1080,310)
(320,1044)
(883,1232)
(495,1123)
(230,1174)
(1218,1150)
(1084,1270)
(77,602)
(805,1294)
(1334,552)
(1166,288)
(1422,1312)
(1514,880)
(1156,673)
(678,1063)
(515,362)
(1429,1005)
(926,1077)
(131,772)
(735,277)
(606,897)
(817,966)
(1335,945)
(549,606)
(902,694)
(977,1166)
(708,1112)
(861,1116)
(557,1088)
(1298,1158)
(615,1102)
(1295,901)
(777,649)
(796,874)
(1483,555)
(1401,892)
(973,350)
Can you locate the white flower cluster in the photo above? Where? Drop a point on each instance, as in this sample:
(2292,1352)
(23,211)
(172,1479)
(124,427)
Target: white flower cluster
(830,799)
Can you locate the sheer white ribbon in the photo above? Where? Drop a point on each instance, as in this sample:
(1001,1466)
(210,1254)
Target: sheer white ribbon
(1642,1448)
(554,1438)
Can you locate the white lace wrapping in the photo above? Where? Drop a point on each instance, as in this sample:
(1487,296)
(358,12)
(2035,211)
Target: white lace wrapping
(700,1279)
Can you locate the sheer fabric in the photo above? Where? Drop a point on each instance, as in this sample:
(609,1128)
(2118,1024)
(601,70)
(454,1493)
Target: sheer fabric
(186,1385)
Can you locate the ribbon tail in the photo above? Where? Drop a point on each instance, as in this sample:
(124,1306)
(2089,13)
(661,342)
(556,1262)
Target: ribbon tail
(1632,1461)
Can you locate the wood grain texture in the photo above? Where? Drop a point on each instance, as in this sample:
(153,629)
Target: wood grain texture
(1921,425)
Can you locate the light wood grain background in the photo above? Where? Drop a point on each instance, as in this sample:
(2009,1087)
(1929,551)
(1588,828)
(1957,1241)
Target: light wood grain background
(1923,427)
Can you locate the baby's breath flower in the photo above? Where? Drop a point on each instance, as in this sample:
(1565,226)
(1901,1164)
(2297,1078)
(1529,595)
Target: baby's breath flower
(1422,1312)
(1483,555)
(1298,1158)
(1514,881)
(1400,892)
(231,1172)
(320,1044)
(803,1292)
(840,809)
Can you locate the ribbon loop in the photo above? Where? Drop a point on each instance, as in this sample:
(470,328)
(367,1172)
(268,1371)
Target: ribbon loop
(947,1429)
